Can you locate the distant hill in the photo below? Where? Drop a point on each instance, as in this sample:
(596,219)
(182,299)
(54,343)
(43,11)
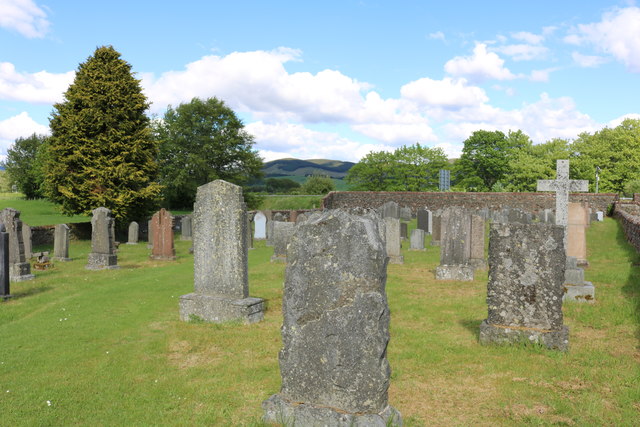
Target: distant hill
(296,167)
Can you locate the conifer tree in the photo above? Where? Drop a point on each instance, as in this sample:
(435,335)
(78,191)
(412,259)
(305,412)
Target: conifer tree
(101,152)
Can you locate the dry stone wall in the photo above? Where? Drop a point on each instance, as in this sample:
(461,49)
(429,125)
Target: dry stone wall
(629,216)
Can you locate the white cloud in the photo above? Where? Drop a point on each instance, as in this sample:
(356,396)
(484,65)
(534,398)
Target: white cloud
(527,37)
(14,127)
(541,75)
(398,134)
(618,120)
(522,52)
(482,65)
(24,17)
(588,61)
(41,87)
(447,93)
(438,35)
(617,34)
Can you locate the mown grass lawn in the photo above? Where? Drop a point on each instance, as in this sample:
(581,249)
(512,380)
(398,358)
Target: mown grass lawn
(81,347)
(38,212)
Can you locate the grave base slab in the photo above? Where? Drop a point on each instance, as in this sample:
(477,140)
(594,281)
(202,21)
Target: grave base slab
(396,259)
(585,292)
(102,261)
(220,309)
(499,334)
(454,272)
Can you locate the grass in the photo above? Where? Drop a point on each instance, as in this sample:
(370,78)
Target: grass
(107,348)
(291,202)
(37,212)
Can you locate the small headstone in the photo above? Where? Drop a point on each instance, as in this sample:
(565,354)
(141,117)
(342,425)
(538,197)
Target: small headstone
(335,330)
(132,237)
(19,267)
(599,216)
(576,289)
(436,221)
(524,292)
(103,248)
(221,279)
(302,217)
(61,243)
(455,245)
(282,232)
(390,210)
(149,234)
(5,290)
(417,240)
(260,224)
(185,225)
(162,226)
(405,213)
(393,241)
(476,245)
(404,230)
(424,220)
(27,239)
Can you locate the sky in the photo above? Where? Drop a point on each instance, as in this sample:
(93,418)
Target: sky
(339,79)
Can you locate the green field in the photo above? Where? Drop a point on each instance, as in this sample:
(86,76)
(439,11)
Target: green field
(83,347)
(37,212)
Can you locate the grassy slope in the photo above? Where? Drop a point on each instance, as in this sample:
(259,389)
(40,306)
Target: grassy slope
(107,348)
(37,212)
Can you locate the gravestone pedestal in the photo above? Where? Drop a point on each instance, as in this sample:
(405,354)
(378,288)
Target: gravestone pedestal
(218,309)
(576,289)
(454,272)
(99,261)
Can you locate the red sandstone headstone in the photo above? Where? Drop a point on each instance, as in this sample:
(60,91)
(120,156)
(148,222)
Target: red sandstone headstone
(577,232)
(162,230)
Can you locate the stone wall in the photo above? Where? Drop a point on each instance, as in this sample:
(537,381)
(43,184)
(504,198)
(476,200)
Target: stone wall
(629,216)
(43,234)
(528,202)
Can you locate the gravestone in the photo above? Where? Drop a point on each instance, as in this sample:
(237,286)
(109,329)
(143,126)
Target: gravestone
(577,223)
(524,292)
(393,240)
(133,234)
(102,253)
(455,245)
(149,234)
(576,289)
(405,213)
(404,230)
(5,287)
(221,282)
(417,240)
(424,220)
(249,231)
(61,243)
(162,226)
(19,267)
(301,218)
(476,244)
(186,229)
(436,231)
(282,232)
(27,240)
(260,223)
(599,216)
(390,210)
(335,330)
(547,216)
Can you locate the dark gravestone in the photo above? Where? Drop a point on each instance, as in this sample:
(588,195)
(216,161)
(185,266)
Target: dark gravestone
(524,293)
(19,267)
(336,327)
(424,220)
(149,234)
(404,230)
(436,221)
(5,292)
(102,253)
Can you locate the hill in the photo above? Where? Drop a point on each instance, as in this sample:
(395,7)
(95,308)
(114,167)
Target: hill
(296,167)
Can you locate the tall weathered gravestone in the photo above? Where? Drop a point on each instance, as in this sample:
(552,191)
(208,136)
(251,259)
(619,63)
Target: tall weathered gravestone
(102,253)
(455,245)
(162,227)
(5,291)
(476,243)
(424,220)
(61,243)
(390,210)
(281,235)
(27,240)
(221,282)
(393,240)
(436,231)
(133,233)
(260,225)
(336,327)
(186,228)
(524,292)
(19,267)
(417,240)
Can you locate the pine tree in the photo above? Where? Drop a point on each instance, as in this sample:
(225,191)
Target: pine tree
(101,152)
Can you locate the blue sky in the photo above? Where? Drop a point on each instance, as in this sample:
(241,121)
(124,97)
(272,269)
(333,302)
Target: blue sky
(338,79)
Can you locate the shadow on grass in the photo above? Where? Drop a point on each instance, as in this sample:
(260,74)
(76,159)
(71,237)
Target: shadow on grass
(29,292)
(473,326)
(632,287)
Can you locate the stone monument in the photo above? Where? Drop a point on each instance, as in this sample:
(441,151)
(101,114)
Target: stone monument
(61,243)
(27,240)
(132,236)
(19,267)
(417,240)
(393,240)
(260,225)
(390,210)
(336,327)
(455,245)
(102,253)
(424,220)
(282,232)
(221,282)
(162,227)
(185,228)
(476,244)
(5,290)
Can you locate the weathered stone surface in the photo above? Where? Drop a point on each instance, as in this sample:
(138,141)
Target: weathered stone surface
(524,293)
(221,281)
(282,232)
(405,213)
(27,241)
(186,232)
(390,210)
(577,223)
(424,220)
(476,245)
(260,225)
(404,230)
(5,286)
(19,268)
(562,185)
(393,240)
(336,326)
(455,245)
(133,233)
(102,253)
(576,289)
(302,217)
(249,231)
(149,234)
(61,243)
(547,216)
(436,231)
(417,240)
(162,228)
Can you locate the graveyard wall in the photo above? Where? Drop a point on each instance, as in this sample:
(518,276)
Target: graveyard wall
(529,202)
(629,216)
(44,234)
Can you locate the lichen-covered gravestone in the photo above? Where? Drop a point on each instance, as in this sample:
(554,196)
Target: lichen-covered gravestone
(162,227)
(455,245)
(390,210)
(102,253)
(476,244)
(221,282)
(133,233)
(19,267)
(336,327)
(417,240)
(524,292)
(281,235)
(393,240)
(61,243)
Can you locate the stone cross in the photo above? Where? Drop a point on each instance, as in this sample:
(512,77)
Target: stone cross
(562,185)
(4,264)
